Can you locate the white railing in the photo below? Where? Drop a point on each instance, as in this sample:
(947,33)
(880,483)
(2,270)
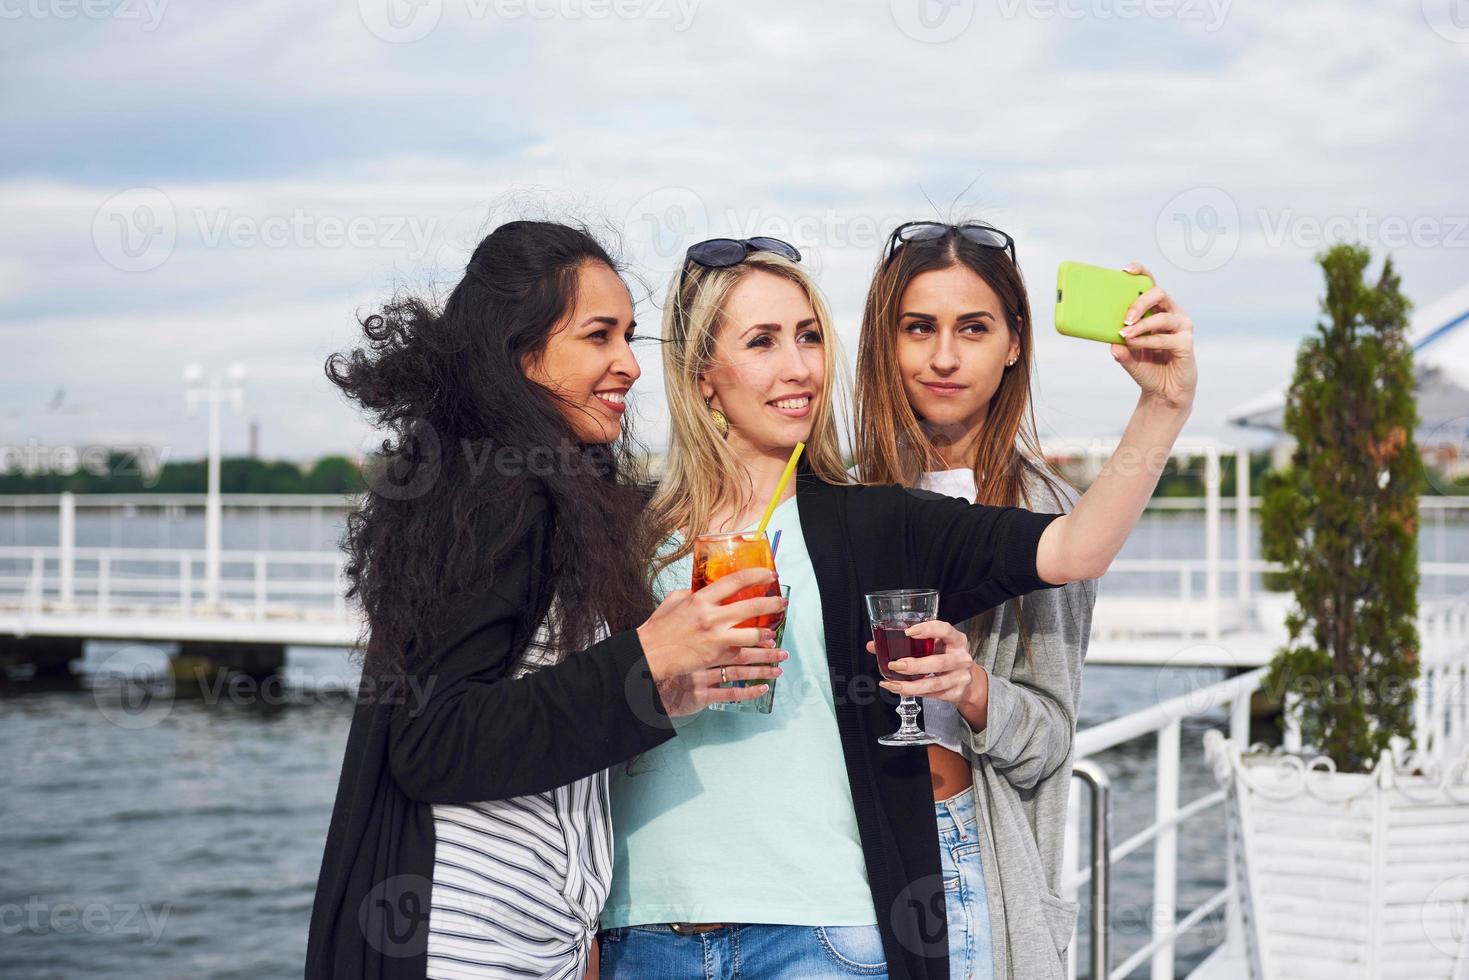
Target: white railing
(1441,717)
(119,581)
(1210,612)
(1208,595)
(181,501)
(172,508)
(1165,722)
(1441,710)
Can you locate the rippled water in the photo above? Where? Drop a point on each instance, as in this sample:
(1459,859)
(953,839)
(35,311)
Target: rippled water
(182,839)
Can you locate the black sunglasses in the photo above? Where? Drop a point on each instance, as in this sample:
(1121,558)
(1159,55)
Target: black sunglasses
(926,231)
(721,253)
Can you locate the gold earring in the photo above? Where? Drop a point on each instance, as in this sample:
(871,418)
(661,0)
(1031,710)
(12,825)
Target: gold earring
(1011,362)
(721,422)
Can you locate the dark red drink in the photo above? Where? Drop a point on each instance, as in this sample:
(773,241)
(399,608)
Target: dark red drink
(893,643)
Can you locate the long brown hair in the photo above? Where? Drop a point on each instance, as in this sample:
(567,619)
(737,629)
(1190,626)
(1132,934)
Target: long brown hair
(700,463)
(893,446)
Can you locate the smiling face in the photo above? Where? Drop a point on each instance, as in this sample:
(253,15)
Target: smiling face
(769,368)
(588,363)
(952,347)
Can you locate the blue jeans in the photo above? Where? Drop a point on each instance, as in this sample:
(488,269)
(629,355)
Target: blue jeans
(742,952)
(971,948)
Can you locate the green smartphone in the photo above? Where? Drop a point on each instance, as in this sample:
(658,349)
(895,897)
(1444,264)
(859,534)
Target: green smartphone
(1091,301)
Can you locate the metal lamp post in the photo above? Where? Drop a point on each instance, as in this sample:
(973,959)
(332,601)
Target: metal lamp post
(213,392)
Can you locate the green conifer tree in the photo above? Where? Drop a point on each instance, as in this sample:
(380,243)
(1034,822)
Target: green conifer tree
(1343,520)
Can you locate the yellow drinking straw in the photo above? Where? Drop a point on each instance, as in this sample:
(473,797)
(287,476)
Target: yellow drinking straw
(780,487)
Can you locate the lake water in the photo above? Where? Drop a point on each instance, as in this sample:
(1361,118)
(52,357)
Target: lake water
(183,841)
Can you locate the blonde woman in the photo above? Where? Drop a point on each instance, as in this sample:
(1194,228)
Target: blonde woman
(943,403)
(793,844)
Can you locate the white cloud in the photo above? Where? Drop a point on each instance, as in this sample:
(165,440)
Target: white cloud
(826,123)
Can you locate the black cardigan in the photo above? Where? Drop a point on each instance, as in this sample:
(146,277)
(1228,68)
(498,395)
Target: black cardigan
(475,739)
(460,732)
(865,539)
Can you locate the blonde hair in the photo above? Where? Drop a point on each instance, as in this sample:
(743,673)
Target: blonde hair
(700,462)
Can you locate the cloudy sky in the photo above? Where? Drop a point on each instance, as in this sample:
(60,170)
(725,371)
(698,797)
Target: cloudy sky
(221,182)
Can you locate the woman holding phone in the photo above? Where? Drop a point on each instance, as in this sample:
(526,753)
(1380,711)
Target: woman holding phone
(513,652)
(943,403)
(793,843)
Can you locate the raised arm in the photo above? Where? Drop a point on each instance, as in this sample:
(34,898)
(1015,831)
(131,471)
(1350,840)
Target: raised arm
(1159,354)
(976,555)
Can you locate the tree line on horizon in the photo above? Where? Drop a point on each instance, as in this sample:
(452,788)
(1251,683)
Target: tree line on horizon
(336,474)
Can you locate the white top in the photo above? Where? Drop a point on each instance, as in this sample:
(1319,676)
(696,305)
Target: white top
(518,882)
(940,718)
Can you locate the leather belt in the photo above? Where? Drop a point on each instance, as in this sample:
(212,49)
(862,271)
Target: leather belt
(695,928)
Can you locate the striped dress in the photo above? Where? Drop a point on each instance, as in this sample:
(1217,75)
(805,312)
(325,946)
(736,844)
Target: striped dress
(519,883)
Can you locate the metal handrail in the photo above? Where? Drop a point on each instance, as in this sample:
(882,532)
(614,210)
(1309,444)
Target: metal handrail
(1100,786)
(1099,738)
(1444,629)
(171,553)
(149,501)
(344,500)
(1165,721)
(1171,935)
(50,575)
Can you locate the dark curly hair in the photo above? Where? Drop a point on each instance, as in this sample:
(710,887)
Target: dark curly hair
(450,388)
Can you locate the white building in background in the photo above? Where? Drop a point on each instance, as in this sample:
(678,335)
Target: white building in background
(1439,334)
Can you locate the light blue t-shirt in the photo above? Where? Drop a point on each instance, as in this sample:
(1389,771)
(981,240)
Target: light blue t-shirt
(746,817)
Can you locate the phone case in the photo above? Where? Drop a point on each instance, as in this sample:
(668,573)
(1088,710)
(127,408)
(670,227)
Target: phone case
(1091,300)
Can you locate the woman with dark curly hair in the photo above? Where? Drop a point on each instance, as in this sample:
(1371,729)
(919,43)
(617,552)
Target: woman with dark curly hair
(503,666)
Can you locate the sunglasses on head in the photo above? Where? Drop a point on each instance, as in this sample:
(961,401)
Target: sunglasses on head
(721,253)
(927,231)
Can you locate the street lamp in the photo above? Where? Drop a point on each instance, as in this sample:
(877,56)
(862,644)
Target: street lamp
(213,393)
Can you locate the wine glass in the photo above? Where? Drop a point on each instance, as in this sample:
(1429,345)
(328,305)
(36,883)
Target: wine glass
(891,613)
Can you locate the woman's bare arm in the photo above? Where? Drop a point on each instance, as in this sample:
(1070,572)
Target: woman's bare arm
(1159,354)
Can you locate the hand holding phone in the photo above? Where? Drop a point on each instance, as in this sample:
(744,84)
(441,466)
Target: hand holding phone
(1091,300)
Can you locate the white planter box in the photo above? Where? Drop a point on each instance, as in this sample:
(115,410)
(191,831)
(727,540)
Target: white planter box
(1347,876)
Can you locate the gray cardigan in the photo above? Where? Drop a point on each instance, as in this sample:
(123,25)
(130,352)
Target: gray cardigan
(1022,767)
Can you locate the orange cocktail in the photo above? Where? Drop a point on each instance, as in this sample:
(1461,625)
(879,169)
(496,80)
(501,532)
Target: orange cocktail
(717,555)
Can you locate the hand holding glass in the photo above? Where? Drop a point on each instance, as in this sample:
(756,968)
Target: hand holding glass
(892,612)
(765,703)
(718,555)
